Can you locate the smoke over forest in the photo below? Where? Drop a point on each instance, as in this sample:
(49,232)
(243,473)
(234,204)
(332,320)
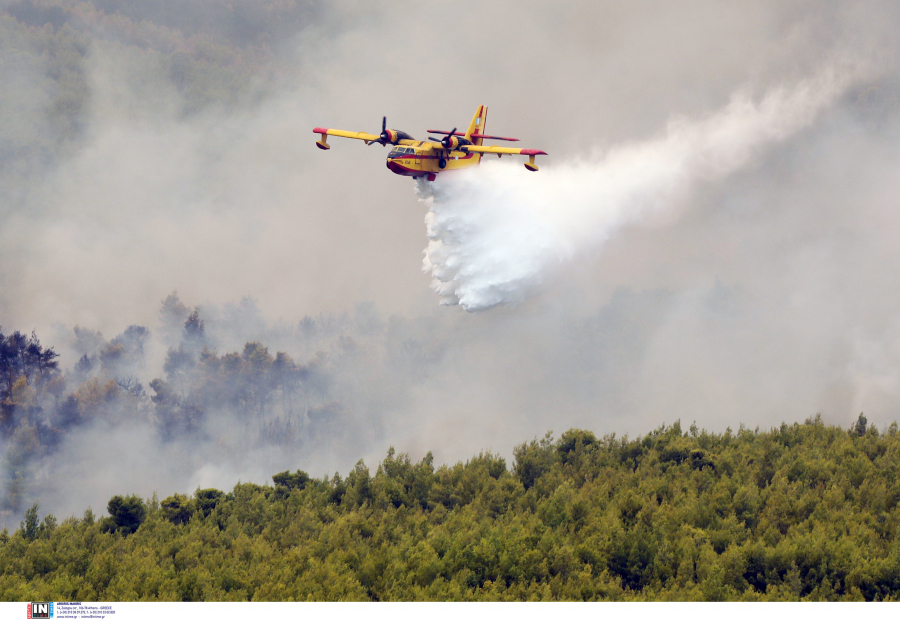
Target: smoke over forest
(191,293)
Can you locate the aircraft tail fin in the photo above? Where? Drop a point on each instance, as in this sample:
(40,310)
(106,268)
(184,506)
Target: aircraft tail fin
(477,126)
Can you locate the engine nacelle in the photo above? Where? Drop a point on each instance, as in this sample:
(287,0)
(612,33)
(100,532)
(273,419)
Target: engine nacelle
(454,142)
(393,136)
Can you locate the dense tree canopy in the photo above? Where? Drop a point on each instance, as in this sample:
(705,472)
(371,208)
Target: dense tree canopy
(801,512)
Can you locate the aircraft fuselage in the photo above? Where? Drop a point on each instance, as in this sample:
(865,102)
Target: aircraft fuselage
(414,158)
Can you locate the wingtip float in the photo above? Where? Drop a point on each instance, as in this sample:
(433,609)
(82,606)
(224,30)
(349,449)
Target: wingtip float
(420,158)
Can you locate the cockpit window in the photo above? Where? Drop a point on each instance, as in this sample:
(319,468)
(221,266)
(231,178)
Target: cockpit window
(400,151)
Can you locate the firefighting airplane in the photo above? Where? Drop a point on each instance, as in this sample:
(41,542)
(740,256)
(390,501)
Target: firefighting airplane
(415,158)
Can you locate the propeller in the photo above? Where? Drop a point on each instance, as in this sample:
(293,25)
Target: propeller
(385,137)
(447,141)
(391,136)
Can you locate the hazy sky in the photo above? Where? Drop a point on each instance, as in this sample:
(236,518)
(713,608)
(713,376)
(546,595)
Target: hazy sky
(767,292)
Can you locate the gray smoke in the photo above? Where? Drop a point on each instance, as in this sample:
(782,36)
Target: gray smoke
(712,238)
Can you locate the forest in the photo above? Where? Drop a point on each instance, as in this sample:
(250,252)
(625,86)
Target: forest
(802,512)
(347,371)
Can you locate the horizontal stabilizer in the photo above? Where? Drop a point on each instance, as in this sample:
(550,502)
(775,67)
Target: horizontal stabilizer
(478,135)
(474,135)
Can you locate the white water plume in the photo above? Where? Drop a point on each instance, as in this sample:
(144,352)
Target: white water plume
(495,229)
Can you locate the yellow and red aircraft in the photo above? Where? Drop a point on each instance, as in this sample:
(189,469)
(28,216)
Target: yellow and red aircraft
(417,158)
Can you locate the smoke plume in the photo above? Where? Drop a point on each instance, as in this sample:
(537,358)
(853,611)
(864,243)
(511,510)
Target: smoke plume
(733,264)
(493,231)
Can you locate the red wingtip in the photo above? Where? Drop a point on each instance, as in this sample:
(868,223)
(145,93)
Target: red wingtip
(320,130)
(532,152)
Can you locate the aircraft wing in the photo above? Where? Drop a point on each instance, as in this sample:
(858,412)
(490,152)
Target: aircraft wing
(500,150)
(356,135)
(504,150)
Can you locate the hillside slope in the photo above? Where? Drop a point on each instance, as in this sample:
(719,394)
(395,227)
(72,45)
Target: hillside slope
(802,512)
